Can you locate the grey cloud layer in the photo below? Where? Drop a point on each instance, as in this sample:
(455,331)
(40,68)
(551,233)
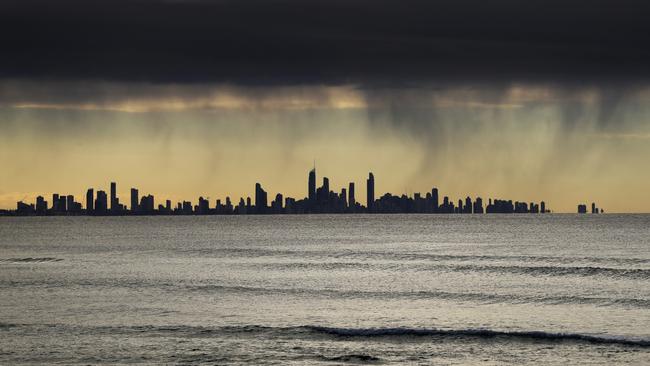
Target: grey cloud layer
(261,42)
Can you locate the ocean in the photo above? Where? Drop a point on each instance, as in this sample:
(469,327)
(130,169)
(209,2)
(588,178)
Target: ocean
(556,289)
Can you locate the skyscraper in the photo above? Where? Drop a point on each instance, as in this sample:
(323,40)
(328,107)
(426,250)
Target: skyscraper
(478,205)
(113,196)
(228,205)
(204,206)
(62,204)
(326,186)
(41,205)
(90,196)
(260,199)
(134,200)
(468,205)
(351,200)
(312,188)
(70,203)
(370,185)
(55,202)
(434,198)
(276,205)
(101,203)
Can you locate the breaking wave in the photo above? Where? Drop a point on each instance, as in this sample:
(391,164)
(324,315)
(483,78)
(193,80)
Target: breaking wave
(584,271)
(479,334)
(352,358)
(31,260)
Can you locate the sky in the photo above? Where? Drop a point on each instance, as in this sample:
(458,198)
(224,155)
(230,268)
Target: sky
(523,100)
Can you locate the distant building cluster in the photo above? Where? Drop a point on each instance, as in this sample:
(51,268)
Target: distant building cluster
(319,200)
(582,208)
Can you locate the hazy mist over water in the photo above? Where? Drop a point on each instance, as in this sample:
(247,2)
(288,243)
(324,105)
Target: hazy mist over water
(384,289)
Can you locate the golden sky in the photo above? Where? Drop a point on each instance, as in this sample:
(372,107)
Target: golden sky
(520,142)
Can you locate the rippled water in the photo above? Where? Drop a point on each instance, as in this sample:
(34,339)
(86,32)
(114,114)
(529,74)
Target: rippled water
(456,289)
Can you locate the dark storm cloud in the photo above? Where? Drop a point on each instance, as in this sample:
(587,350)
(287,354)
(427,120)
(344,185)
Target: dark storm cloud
(272,42)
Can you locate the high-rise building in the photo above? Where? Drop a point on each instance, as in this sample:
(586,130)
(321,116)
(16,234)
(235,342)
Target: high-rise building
(478,205)
(542,207)
(351,200)
(260,199)
(114,202)
(370,193)
(289,204)
(134,200)
(62,204)
(187,207)
(55,202)
(147,204)
(276,205)
(468,205)
(434,198)
(241,207)
(229,207)
(70,203)
(582,208)
(90,197)
(41,205)
(312,188)
(101,204)
(204,206)
(24,209)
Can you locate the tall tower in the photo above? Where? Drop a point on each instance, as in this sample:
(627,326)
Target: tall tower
(351,200)
(100,203)
(370,185)
(260,199)
(55,202)
(70,203)
(434,198)
(90,197)
(134,200)
(326,186)
(113,196)
(311,189)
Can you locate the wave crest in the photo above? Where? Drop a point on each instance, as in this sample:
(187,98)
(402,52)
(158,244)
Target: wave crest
(478,333)
(31,260)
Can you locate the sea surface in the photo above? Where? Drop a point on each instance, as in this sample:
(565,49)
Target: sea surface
(326,290)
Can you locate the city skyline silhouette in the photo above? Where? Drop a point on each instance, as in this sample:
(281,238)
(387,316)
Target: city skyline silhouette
(319,199)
